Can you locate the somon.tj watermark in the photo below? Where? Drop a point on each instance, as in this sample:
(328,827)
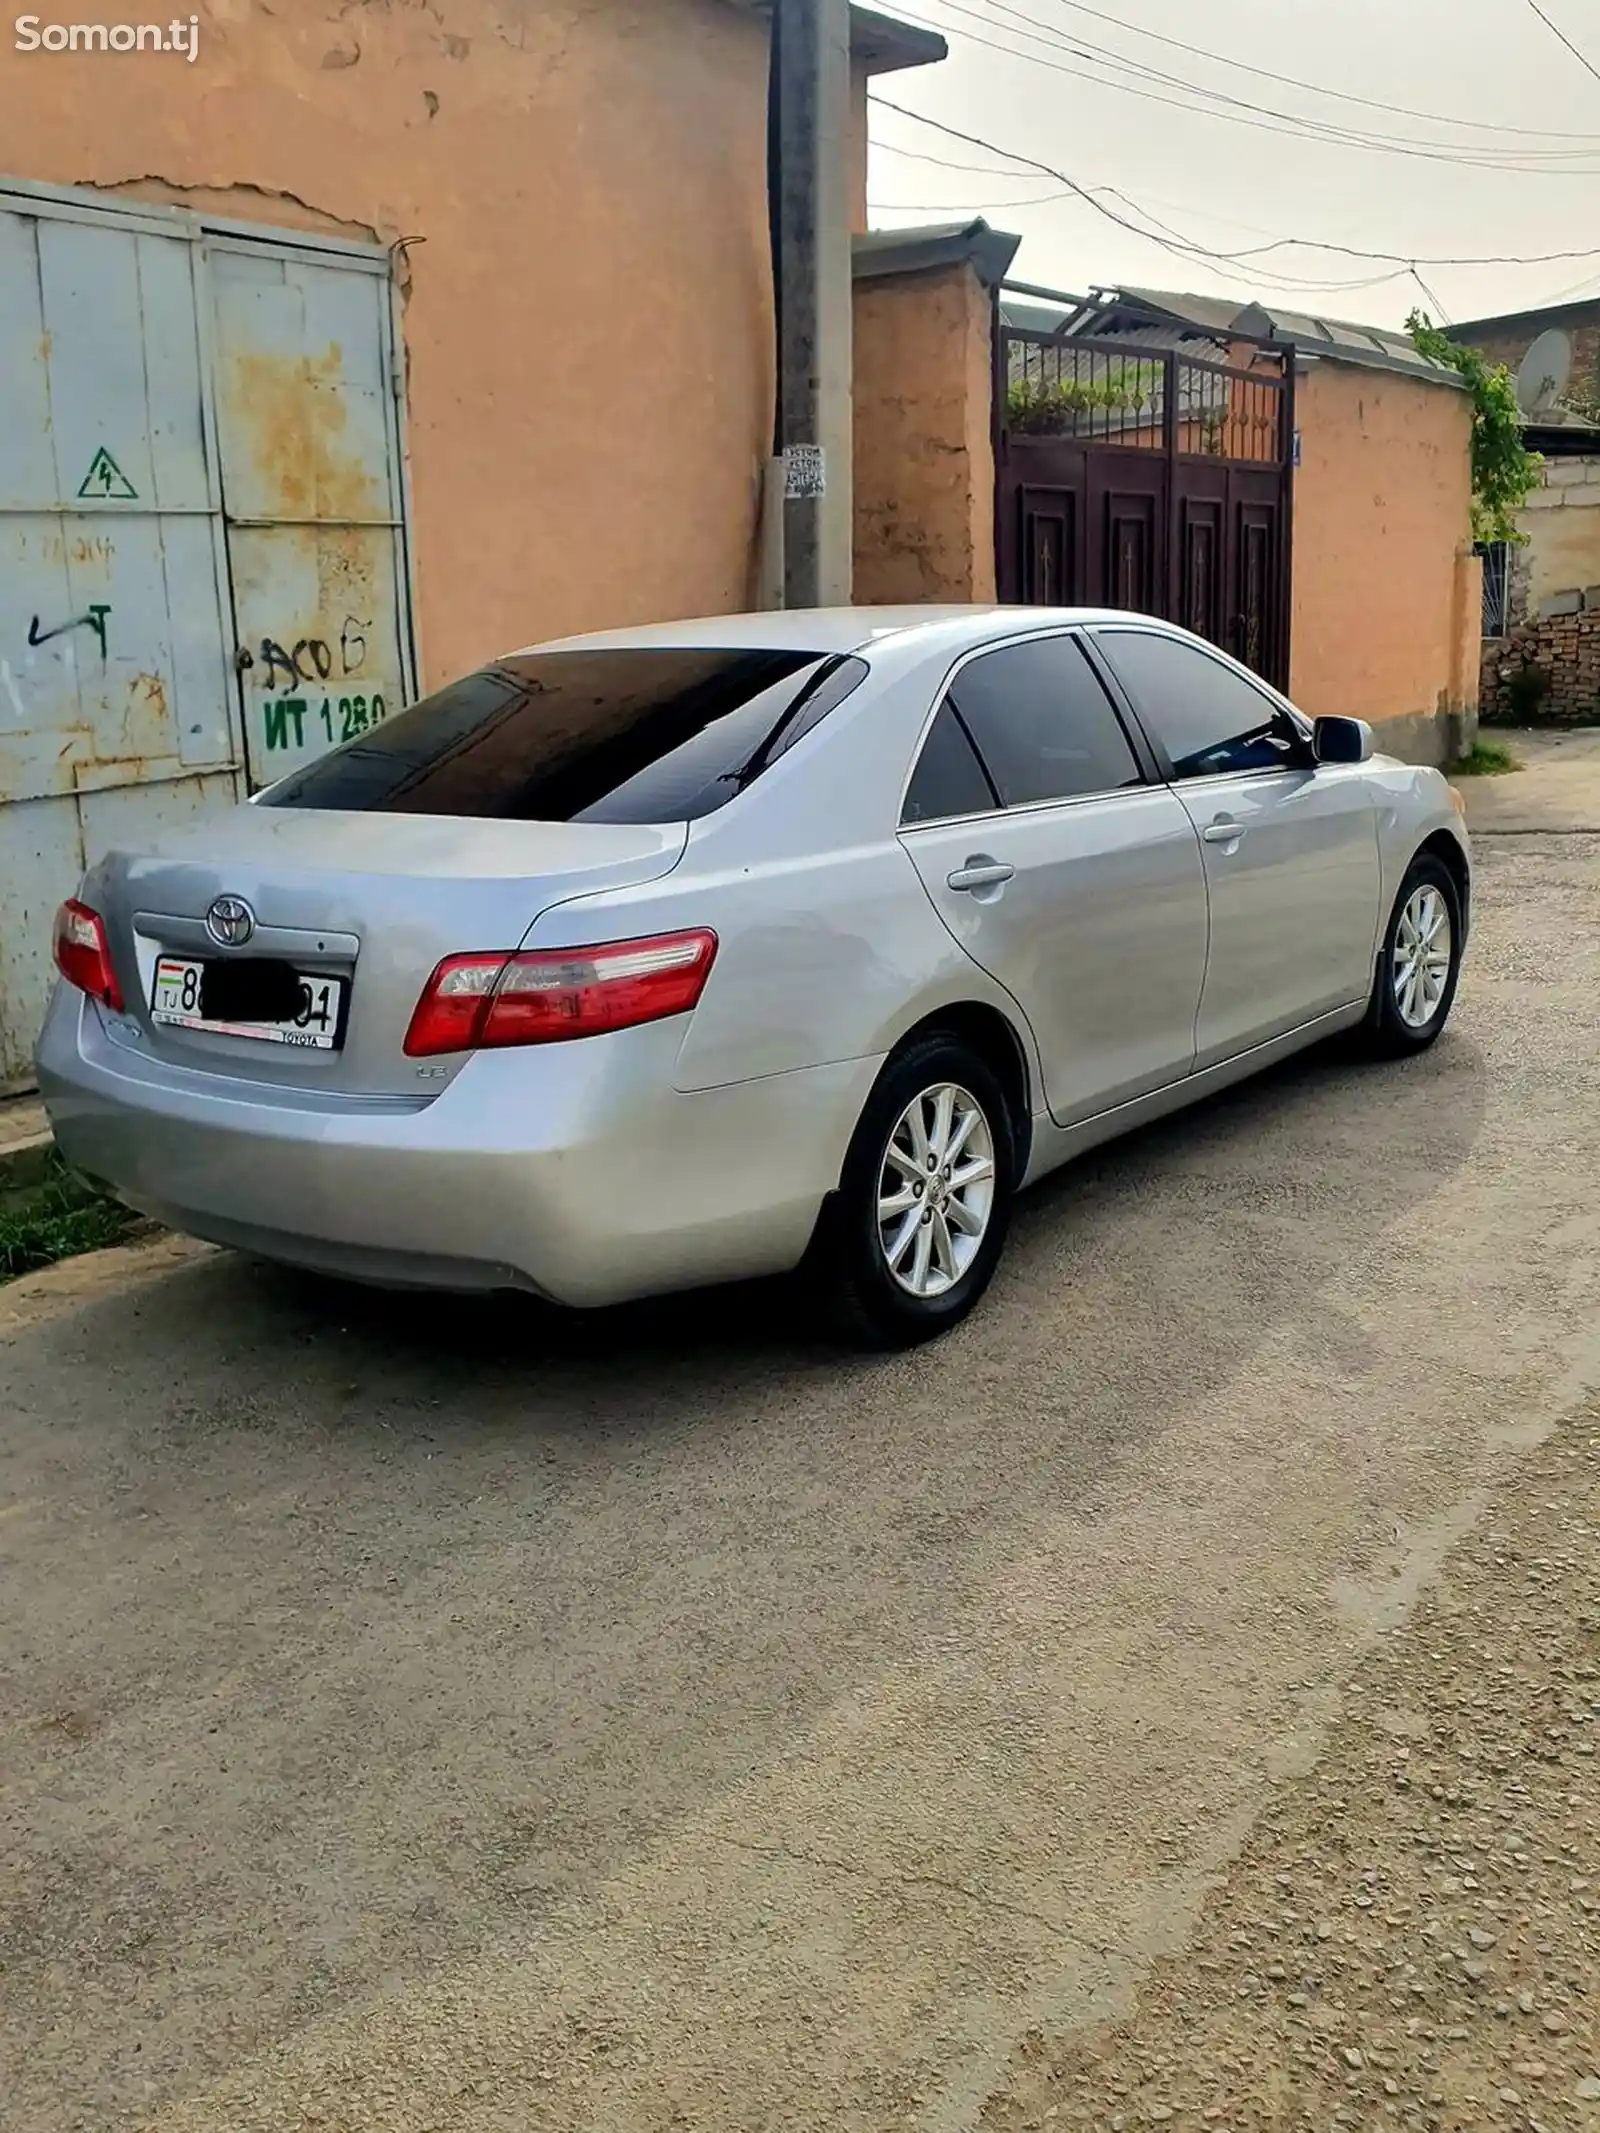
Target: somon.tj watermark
(175,36)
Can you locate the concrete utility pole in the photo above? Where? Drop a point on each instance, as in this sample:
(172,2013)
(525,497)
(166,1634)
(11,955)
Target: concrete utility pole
(811,60)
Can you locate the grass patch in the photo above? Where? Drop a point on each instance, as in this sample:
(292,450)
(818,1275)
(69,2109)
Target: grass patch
(1485,759)
(56,1220)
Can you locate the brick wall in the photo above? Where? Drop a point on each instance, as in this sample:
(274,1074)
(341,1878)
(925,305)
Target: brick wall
(1553,596)
(1510,345)
(1568,649)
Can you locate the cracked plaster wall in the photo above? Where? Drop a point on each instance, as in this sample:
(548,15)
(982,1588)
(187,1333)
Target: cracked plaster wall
(588,321)
(1388,593)
(924,459)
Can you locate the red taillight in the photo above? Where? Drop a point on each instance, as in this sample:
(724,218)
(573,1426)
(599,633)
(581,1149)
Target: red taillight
(83,954)
(474,1002)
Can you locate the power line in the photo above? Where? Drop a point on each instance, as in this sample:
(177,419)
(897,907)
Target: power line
(1432,298)
(1260,118)
(1578,289)
(998,170)
(978,170)
(1104,55)
(1179,243)
(1279,280)
(1583,60)
(961,207)
(1291,81)
(1082,192)
(1404,260)
(1182,247)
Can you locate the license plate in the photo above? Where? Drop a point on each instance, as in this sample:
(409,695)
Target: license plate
(310,1011)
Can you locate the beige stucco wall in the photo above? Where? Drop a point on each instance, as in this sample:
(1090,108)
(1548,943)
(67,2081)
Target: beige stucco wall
(924,458)
(1386,587)
(587,324)
(1562,521)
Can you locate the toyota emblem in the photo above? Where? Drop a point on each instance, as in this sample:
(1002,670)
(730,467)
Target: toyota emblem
(230,921)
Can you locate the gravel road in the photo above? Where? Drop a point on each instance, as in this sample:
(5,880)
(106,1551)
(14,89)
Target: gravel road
(1411,1935)
(453,1717)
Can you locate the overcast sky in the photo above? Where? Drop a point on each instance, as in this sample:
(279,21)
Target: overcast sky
(1227,185)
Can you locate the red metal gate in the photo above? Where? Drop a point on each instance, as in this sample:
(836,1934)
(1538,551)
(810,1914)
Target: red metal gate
(1133,475)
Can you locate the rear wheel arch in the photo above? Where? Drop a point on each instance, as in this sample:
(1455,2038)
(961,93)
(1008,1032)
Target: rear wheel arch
(969,1055)
(998,1043)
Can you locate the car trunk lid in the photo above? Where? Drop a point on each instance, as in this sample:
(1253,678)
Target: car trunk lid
(368,902)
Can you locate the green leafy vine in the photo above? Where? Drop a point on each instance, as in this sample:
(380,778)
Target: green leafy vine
(1504,472)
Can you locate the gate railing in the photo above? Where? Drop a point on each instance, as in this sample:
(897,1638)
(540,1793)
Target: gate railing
(1152,470)
(1144,398)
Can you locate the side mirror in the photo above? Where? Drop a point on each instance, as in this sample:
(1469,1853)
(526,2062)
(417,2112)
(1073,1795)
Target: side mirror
(1341,740)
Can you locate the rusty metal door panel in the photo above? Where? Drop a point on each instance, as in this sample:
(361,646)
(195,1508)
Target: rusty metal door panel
(40,849)
(312,488)
(316,608)
(27,462)
(124,367)
(117,671)
(180,400)
(112,658)
(115,668)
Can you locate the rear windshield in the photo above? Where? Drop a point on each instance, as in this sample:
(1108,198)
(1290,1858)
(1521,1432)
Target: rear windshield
(602,736)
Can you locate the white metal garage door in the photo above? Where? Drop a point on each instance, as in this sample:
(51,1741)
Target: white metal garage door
(203,573)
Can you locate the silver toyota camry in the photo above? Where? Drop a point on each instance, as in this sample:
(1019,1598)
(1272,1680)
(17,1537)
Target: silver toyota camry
(725,948)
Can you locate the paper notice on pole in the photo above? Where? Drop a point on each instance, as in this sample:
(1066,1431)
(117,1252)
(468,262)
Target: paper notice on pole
(805,471)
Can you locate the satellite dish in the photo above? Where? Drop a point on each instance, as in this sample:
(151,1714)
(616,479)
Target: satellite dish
(1545,372)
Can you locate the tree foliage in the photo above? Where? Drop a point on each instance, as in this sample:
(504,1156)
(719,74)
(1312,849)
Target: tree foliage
(1504,472)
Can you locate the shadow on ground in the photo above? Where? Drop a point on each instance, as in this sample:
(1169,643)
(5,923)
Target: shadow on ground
(347,1632)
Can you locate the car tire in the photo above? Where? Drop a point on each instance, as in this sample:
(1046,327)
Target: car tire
(1412,989)
(910,1241)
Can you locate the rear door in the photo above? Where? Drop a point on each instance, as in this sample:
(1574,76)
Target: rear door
(1063,869)
(1290,845)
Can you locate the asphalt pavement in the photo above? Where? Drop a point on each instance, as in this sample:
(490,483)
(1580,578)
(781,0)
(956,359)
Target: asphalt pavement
(454,1716)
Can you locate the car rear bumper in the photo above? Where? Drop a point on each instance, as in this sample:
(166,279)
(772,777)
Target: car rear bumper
(573,1170)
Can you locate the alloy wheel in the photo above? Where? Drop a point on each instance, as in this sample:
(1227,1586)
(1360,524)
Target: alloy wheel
(1422,949)
(936,1189)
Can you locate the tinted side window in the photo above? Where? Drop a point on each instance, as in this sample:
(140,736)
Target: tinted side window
(1207,717)
(635,735)
(949,779)
(1042,723)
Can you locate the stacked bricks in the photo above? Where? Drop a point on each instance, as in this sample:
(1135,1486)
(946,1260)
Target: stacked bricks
(1567,647)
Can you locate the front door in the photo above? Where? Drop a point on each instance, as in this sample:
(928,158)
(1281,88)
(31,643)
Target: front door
(1290,847)
(1070,878)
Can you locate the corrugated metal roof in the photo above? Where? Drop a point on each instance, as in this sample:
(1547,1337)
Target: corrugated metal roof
(1333,340)
(1032,318)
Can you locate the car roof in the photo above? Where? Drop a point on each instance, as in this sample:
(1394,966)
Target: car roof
(826,630)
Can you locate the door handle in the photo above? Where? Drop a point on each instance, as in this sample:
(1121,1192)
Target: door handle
(1223,832)
(980,872)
